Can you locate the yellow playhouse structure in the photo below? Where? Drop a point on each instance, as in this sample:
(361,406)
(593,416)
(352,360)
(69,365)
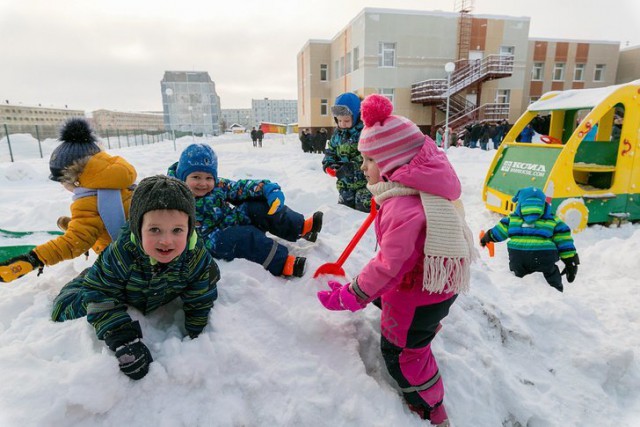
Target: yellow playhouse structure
(588,163)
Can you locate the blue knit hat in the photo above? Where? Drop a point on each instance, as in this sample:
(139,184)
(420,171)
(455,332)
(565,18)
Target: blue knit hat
(197,158)
(77,142)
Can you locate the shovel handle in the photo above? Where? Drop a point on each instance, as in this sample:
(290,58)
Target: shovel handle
(356,238)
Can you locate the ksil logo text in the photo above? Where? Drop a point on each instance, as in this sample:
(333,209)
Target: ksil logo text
(531,169)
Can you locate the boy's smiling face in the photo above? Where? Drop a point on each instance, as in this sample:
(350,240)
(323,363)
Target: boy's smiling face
(164,234)
(200,183)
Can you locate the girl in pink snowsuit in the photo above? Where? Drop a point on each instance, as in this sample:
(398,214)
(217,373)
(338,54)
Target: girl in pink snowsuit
(425,252)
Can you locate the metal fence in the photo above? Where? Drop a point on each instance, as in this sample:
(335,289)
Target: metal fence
(21,142)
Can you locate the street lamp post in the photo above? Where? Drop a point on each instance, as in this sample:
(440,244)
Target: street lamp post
(449,67)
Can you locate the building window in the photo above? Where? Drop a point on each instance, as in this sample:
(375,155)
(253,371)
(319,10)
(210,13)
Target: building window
(507,50)
(356,54)
(324,107)
(578,73)
(502,96)
(324,72)
(387,92)
(533,99)
(336,69)
(386,54)
(598,74)
(348,63)
(558,71)
(537,72)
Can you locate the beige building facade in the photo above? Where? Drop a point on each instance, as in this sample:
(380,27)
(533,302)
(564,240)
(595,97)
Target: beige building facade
(628,65)
(38,121)
(402,55)
(107,120)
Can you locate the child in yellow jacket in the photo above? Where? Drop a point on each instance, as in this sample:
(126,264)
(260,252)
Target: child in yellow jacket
(101,185)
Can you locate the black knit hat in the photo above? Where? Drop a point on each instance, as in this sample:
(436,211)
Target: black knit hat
(77,142)
(160,192)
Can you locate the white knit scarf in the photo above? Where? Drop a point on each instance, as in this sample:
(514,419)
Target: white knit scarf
(448,246)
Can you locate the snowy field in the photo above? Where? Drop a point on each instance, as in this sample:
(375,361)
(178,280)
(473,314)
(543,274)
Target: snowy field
(513,352)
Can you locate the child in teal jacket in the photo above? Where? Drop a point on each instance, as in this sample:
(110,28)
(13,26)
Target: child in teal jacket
(156,258)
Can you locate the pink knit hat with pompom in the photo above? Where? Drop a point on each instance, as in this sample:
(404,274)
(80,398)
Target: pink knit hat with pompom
(391,141)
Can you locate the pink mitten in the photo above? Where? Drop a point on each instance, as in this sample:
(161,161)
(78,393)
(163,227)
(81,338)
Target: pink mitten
(339,298)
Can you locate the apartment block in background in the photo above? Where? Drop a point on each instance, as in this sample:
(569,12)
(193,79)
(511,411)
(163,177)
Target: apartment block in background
(283,111)
(628,65)
(190,103)
(107,120)
(24,119)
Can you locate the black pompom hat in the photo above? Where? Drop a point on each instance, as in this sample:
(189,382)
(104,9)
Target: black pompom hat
(77,142)
(160,192)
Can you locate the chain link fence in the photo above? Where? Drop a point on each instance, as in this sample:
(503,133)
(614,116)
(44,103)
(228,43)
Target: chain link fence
(22,142)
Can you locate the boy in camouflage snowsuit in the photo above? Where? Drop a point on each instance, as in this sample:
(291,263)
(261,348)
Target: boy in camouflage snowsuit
(342,158)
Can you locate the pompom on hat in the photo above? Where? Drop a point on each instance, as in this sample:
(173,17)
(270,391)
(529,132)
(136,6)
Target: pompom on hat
(77,142)
(391,141)
(197,158)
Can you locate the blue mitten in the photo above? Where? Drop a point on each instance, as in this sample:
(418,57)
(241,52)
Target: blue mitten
(274,196)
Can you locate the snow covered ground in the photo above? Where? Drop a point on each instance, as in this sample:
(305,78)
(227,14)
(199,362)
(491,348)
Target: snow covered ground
(513,352)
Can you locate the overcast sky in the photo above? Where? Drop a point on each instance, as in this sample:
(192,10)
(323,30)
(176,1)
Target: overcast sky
(112,54)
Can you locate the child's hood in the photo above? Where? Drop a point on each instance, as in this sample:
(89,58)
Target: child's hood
(531,204)
(430,172)
(102,171)
(352,102)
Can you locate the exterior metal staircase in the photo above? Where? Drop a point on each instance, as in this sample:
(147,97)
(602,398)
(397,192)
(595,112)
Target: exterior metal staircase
(467,73)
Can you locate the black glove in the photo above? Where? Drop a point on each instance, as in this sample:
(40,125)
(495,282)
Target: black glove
(18,266)
(486,238)
(571,267)
(133,356)
(345,170)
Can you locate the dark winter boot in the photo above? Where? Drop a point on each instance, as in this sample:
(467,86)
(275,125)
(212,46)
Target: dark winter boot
(312,227)
(294,266)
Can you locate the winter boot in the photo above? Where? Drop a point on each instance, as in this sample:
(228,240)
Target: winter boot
(437,415)
(312,227)
(294,266)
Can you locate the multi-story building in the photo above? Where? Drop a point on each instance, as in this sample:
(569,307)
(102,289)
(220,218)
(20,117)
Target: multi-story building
(569,64)
(190,102)
(38,121)
(107,120)
(282,111)
(628,65)
(241,116)
(403,54)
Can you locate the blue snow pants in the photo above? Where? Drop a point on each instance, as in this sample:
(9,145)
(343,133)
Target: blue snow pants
(250,241)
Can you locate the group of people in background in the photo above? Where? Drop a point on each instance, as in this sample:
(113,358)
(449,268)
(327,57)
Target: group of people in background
(482,133)
(314,143)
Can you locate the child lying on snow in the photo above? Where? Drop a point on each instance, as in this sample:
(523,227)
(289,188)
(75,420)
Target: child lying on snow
(157,258)
(233,216)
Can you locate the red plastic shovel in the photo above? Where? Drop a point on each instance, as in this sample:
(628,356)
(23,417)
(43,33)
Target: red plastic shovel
(335,268)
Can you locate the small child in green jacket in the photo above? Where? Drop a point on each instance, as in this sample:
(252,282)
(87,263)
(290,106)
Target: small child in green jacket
(156,258)
(537,239)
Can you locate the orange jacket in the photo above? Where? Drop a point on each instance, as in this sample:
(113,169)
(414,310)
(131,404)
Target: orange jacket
(86,229)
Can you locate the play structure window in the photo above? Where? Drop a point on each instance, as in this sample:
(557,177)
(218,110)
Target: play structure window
(595,162)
